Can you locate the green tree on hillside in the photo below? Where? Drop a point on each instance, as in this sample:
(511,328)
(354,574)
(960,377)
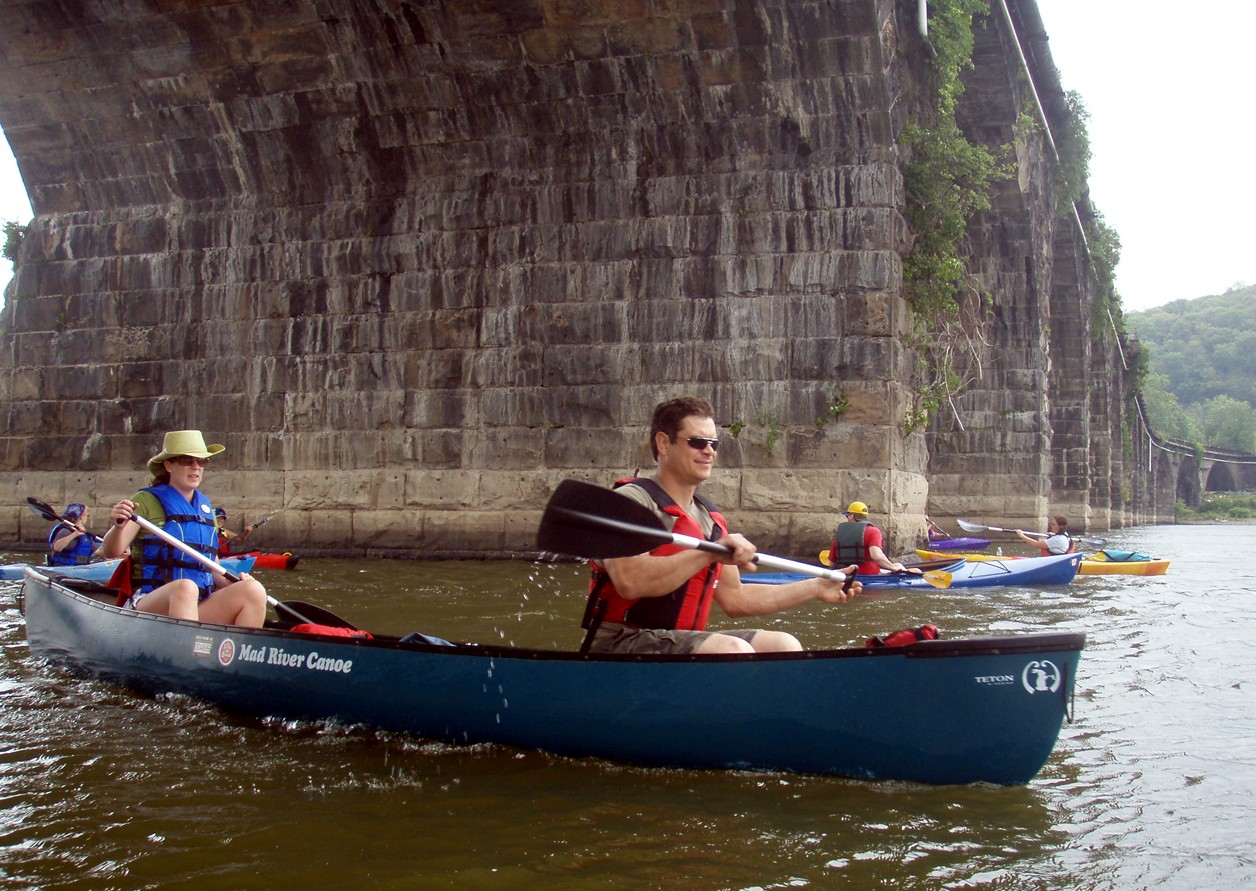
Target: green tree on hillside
(1205,347)
(1165,415)
(1202,358)
(1228,423)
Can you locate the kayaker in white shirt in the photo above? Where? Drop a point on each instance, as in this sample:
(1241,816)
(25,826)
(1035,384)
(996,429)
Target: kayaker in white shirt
(1057,540)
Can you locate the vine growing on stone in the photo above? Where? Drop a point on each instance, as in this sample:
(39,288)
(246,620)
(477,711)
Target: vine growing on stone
(13,234)
(947,179)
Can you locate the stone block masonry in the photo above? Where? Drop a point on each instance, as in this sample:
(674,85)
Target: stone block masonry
(415,263)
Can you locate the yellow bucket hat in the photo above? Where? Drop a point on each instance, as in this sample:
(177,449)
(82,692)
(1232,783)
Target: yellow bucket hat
(182,442)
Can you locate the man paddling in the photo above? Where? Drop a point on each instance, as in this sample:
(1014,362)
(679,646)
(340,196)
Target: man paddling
(659,602)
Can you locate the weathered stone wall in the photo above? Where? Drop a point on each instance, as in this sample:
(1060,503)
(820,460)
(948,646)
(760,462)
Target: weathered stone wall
(1042,428)
(414,263)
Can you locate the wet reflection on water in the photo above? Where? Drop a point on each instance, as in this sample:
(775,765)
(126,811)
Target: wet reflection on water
(1152,785)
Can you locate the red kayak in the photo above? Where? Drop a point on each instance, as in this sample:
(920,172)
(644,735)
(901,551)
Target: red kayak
(272,561)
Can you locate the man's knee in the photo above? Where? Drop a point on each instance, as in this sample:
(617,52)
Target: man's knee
(725,643)
(775,642)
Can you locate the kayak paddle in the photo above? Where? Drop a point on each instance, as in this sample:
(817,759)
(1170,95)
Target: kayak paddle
(977,527)
(585,520)
(296,611)
(827,560)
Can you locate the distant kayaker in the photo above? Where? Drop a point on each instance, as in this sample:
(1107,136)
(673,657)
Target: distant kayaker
(225,535)
(69,543)
(858,541)
(164,579)
(659,602)
(1057,540)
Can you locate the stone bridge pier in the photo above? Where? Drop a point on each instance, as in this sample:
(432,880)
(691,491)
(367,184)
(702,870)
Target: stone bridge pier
(414,263)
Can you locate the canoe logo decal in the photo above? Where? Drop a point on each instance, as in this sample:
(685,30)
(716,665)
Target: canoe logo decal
(1042,676)
(226,651)
(203,646)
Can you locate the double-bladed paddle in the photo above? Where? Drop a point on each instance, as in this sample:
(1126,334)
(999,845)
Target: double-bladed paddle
(925,568)
(585,520)
(295,611)
(1084,539)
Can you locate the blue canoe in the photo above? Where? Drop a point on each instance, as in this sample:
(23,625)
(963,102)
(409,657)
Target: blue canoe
(1058,569)
(101,570)
(821,711)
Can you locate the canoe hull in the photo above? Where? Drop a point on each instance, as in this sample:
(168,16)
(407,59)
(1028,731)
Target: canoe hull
(816,712)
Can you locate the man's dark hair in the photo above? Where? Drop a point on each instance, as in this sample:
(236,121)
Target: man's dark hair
(1062,523)
(669,416)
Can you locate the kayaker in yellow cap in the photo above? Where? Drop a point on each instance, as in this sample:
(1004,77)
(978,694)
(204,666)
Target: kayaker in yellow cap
(858,541)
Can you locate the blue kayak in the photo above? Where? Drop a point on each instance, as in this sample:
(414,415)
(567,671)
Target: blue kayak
(1057,569)
(101,570)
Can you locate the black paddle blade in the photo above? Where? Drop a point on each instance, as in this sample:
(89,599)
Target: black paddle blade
(585,520)
(43,509)
(301,613)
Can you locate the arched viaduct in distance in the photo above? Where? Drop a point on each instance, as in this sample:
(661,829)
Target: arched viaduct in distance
(416,261)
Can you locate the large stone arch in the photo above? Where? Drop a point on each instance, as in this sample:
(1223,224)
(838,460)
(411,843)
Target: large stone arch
(1220,478)
(1190,488)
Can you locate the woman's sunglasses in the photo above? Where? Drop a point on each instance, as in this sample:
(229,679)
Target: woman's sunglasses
(188,461)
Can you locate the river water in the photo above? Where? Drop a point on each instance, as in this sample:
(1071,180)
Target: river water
(1152,786)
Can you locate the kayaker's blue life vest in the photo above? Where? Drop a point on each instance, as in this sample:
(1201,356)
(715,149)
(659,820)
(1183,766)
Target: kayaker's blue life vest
(686,608)
(77,554)
(849,538)
(157,562)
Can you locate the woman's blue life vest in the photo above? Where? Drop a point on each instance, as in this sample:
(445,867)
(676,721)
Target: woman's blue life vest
(850,548)
(76,554)
(154,562)
(686,608)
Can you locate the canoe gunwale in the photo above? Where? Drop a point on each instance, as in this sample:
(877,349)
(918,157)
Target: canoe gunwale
(98,596)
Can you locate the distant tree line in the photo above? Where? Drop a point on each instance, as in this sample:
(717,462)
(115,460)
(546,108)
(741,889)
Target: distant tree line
(1201,386)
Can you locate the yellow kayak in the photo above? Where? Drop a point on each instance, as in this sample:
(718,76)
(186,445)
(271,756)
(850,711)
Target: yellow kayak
(1098,563)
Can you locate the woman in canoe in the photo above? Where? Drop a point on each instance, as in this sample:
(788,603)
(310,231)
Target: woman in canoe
(164,580)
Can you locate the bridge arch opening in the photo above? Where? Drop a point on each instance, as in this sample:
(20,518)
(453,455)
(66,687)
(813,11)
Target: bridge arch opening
(1220,479)
(1189,490)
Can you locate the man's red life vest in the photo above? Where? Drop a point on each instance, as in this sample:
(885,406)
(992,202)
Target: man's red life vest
(686,608)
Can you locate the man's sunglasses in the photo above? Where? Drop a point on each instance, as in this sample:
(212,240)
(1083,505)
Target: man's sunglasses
(699,443)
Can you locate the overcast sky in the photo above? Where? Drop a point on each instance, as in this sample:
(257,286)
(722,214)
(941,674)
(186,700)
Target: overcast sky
(1169,88)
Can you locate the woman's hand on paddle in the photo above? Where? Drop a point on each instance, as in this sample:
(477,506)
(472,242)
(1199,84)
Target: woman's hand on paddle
(122,511)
